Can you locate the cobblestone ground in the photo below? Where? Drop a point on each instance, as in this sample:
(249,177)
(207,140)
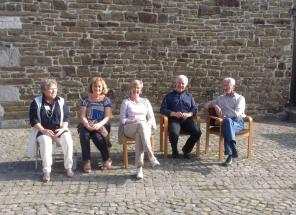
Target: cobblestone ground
(265,184)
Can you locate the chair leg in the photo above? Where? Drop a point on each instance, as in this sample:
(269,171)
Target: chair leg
(197,153)
(250,146)
(125,156)
(161,137)
(221,148)
(152,142)
(165,145)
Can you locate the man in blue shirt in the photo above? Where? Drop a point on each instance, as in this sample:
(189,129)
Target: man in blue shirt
(180,106)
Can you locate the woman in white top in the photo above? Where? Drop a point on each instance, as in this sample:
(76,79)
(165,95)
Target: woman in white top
(137,119)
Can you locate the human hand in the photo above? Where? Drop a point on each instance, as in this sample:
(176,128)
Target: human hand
(218,110)
(132,121)
(186,115)
(58,132)
(177,114)
(48,132)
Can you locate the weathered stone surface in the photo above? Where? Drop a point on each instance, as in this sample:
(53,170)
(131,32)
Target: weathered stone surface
(9,93)
(9,57)
(10,22)
(183,41)
(208,10)
(147,17)
(59,5)
(149,40)
(228,3)
(2,112)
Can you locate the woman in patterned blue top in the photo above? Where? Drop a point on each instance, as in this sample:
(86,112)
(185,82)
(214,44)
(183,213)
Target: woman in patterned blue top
(95,114)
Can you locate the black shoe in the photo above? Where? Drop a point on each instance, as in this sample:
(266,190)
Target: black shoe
(175,154)
(228,161)
(234,151)
(187,156)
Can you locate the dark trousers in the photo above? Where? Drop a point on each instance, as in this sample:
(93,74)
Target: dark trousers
(187,126)
(99,141)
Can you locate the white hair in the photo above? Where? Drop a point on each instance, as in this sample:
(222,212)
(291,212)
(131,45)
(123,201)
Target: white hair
(231,80)
(182,77)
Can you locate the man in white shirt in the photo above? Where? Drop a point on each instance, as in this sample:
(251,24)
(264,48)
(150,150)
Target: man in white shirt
(230,106)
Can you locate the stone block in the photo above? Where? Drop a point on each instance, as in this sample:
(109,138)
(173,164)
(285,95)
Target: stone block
(147,17)
(10,22)
(136,36)
(35,61)
(59,5)
(69,70)
(205,10)
(163,18)
(85,43)
(9,57)
(183,41)
(142,2)
(228,3)
(9,93)
(67,15)
(2,111)
(131,17)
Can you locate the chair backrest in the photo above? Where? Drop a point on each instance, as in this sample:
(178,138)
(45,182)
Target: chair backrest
(212,112)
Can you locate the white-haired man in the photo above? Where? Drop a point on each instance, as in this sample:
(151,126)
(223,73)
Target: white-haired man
(230,106)
(180,106)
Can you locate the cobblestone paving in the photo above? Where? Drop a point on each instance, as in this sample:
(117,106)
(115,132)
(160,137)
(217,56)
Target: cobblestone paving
(265,184)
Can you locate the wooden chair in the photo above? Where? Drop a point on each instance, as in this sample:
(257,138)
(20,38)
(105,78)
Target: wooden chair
(128,141)
(163,124)
(214,126)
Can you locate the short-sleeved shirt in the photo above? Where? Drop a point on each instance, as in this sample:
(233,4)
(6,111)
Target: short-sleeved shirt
(95,109)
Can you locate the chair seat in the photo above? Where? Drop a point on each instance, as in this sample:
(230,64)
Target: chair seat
(163,125)
(216,130)
(129,141)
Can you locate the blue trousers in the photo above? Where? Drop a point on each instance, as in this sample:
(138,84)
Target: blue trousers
(99,141)
(231,126)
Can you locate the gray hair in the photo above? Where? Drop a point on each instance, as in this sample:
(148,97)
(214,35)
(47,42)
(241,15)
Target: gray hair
(136,83)
(182,77)
(231,80)
(47,83)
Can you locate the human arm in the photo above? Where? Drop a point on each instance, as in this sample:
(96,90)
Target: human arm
(35,122)
(165,107)
(214,104)
(65,123)
(150,115)
(240,107)
(193,107)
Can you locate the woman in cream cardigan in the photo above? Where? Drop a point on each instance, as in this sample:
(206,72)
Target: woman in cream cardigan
(137,119)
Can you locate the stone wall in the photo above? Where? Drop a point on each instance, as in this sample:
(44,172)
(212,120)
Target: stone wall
(151,40)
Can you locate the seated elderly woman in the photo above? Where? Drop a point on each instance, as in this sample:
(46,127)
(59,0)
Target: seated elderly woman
(95,114)
(49,118)
(137,119)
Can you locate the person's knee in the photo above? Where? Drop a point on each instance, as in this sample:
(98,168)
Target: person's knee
(227,121)
(142,126)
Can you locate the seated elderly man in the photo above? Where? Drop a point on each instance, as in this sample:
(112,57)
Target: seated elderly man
(230,106)
(49,118)
(179,106)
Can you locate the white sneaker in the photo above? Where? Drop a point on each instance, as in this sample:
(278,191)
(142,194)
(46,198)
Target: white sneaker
(69,173)
(154,162)
(140,173)
(46,177)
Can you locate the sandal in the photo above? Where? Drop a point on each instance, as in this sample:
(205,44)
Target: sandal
(106,165)
(87,166)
